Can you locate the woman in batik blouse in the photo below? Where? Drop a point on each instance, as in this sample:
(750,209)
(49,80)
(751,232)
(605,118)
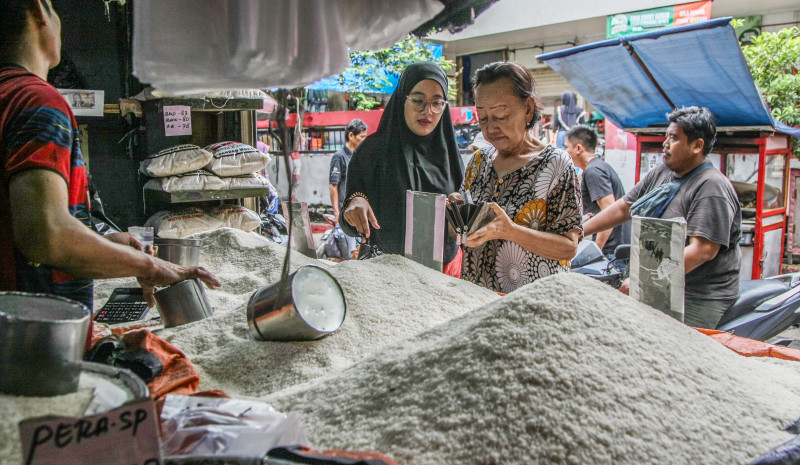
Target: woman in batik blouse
(532,188)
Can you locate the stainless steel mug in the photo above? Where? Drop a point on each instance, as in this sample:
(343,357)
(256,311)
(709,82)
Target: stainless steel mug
(182,303)
(42,341)
(311,306)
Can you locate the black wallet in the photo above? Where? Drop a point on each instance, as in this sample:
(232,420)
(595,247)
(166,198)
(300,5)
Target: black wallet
(466,218)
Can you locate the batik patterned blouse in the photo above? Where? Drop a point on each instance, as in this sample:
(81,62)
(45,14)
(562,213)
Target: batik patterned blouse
(541,195)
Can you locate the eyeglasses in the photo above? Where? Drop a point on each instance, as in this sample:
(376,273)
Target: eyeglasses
(437,105)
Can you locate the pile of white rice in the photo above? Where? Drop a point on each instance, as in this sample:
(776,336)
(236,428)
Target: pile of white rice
(388,299)
(432,370)
(563,371)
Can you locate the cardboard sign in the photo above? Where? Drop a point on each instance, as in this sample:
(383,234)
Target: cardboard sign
(657,277)
(124,436)
(177,120)
(425,225)
(301,238)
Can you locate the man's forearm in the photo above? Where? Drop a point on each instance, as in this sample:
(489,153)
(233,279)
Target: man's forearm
(602,238)
(334,192)
(616,214)
(45,232)
(699,251)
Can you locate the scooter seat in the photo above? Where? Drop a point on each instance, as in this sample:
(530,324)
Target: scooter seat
(751,295)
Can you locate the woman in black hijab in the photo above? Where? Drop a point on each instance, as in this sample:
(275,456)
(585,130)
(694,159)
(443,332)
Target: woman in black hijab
(414,148)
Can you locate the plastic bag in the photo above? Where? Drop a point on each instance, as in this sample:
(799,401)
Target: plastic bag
(336,245)
(205,426)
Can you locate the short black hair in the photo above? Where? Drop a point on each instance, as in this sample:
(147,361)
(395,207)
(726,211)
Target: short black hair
(356,126)
(520,78)
(696,123)
(13,20)
(584,135)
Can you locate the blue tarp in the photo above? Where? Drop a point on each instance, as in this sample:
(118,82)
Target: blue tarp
(700,64)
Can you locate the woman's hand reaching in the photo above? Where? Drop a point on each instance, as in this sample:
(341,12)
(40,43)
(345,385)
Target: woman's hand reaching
(360,215)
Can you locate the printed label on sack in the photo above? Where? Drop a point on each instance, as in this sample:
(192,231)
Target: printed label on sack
(177,120)
(126,435)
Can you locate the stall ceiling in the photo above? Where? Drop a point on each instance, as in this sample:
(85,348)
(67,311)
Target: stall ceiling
(636,80)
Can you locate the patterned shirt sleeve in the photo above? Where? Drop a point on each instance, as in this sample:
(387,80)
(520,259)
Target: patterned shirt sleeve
(564,203)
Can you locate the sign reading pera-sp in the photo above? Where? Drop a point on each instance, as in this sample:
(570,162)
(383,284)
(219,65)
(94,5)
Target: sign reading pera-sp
(177,120)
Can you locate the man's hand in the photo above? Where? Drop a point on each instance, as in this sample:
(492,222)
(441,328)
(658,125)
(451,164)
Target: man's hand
(360,215)
(166,273)
(625,288)
(124,238)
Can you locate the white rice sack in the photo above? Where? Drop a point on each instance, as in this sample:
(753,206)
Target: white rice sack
(175,160)
(236,216)
(199,180)
(248,181)
(238,93)
(235,158)
(177,224)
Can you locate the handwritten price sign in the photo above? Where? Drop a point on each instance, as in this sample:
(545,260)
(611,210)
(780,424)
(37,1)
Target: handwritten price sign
(124,436)
(177,120)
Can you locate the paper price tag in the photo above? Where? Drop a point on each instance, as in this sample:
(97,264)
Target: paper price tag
(124,436)
(177,120)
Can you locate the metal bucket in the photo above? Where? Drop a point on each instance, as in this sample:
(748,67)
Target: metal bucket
(312,306)
(182,303)
(183,252)
(42,341)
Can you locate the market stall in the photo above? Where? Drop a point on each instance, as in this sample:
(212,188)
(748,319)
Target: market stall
(635,81)
(425,368)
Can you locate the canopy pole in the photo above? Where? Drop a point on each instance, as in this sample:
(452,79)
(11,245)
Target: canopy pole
(647,71)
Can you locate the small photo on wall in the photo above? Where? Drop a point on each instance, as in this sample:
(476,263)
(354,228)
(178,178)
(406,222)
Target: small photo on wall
(84,102)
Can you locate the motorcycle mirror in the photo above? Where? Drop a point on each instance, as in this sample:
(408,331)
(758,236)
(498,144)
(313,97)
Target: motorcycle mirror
(622,252)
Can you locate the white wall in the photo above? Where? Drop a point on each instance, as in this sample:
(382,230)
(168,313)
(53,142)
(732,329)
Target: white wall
(314,171)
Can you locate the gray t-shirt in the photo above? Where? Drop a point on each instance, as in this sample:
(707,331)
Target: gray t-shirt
(600,180)
(338,171)
(711,209)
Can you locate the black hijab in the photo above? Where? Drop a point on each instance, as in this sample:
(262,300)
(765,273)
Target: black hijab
(394,159)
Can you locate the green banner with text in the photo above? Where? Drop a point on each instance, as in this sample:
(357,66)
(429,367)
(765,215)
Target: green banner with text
(636,22)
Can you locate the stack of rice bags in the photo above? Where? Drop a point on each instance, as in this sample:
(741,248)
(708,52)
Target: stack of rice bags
(220,166)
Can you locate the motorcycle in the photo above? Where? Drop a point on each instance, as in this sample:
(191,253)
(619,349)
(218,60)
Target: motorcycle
(273,227)
(590,261)
(764,308)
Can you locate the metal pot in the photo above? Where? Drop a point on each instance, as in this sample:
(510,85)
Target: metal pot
(183,252)
(312,306)
(42,340)
(182,303)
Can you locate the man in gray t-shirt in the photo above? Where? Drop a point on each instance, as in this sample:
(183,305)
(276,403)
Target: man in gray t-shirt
(710,207)
(600,188)
(354,135)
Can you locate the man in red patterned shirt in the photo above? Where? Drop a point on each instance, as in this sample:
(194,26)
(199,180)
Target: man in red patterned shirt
(46,241)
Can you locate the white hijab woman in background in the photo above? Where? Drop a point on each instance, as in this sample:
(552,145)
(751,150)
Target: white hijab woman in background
(568,114)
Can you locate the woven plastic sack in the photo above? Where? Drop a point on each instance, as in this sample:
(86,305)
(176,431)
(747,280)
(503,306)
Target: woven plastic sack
(199,180)
(177,224)
(175,160)
(248,181)
(236,216)
(235,158)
